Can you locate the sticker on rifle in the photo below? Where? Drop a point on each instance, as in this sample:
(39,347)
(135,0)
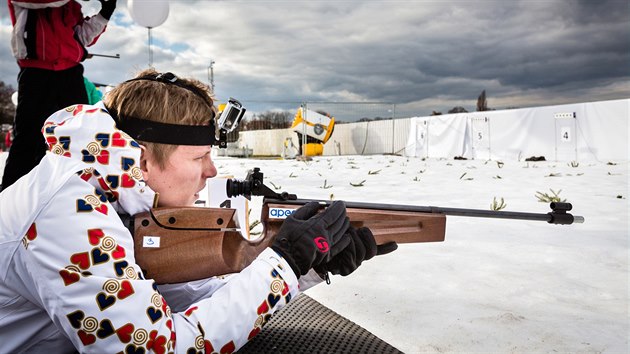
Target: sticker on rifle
(280,213)
(151,241)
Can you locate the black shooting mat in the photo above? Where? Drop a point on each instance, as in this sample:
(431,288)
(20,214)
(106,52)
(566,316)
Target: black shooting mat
(306,326)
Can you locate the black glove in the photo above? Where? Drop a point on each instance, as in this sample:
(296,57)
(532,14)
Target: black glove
(306,237)
(107,8)
(361,248)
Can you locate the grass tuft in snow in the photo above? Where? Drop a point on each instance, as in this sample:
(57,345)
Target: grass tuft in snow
(467,178)
(548,198)
(497,205)
(325,185)
(360,184)
(554,175)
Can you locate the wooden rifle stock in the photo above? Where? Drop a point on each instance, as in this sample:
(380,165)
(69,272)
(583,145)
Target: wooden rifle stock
(196,243)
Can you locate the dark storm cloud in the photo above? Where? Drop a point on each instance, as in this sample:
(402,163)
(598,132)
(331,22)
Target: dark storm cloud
(528,48)
(422,55)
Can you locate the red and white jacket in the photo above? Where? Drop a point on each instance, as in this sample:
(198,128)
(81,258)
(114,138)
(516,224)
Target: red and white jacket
(52,34)
(68,278)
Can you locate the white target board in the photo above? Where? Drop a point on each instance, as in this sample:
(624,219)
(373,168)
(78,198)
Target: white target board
(566,142)
(480,137)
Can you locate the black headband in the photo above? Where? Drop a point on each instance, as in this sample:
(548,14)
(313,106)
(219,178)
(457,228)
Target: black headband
(166,133)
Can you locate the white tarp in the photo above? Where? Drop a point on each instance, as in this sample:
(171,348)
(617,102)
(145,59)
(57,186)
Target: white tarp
(439,136)
(596,131)
(604,134)
(582,131)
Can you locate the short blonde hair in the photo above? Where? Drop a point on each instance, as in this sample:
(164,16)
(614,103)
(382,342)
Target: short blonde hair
(162,102)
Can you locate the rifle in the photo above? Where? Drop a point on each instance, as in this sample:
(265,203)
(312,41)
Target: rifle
(174,245)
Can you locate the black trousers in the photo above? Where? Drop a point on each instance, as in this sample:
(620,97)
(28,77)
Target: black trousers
(40,94)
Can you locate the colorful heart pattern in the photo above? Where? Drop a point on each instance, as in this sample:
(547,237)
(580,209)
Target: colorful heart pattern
(105,251)
(118,290)
(59,146)
(102,157)
(139,339)
(93,202)
(95,236)
(31,235)
(156,343)
(99,151)
(101,251)
(103,140)
(69,277)
(115,290)
(278,289)
(118,140)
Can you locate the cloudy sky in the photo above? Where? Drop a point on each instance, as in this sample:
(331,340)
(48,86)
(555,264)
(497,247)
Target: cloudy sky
(420,55)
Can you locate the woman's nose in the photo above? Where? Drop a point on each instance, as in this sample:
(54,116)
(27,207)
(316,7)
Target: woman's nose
(209,170)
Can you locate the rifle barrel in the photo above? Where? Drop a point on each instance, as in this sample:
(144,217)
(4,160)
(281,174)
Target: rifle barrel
(558,214)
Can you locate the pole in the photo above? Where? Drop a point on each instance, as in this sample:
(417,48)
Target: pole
(393,128)
(211,74)
(150,49)
(304,125)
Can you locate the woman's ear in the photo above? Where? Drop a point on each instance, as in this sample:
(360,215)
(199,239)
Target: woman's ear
(144,165)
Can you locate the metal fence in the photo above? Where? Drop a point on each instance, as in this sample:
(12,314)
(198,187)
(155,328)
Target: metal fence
(350,112)
(361,128)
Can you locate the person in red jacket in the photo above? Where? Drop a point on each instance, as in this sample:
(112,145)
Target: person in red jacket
(48,41)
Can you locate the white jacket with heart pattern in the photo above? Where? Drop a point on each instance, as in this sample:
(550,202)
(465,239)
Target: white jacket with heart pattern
(68,279)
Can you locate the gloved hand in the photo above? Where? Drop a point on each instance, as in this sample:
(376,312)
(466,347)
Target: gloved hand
(306,237)
(107,8)
(361,248)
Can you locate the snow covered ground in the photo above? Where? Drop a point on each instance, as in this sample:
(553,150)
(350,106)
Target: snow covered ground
(494,286)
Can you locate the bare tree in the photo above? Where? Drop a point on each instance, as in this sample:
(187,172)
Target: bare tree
(482,103)
(458,109)
(268,120)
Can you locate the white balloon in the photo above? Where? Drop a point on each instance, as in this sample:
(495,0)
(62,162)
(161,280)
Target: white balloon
(148,13)
(14,98)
